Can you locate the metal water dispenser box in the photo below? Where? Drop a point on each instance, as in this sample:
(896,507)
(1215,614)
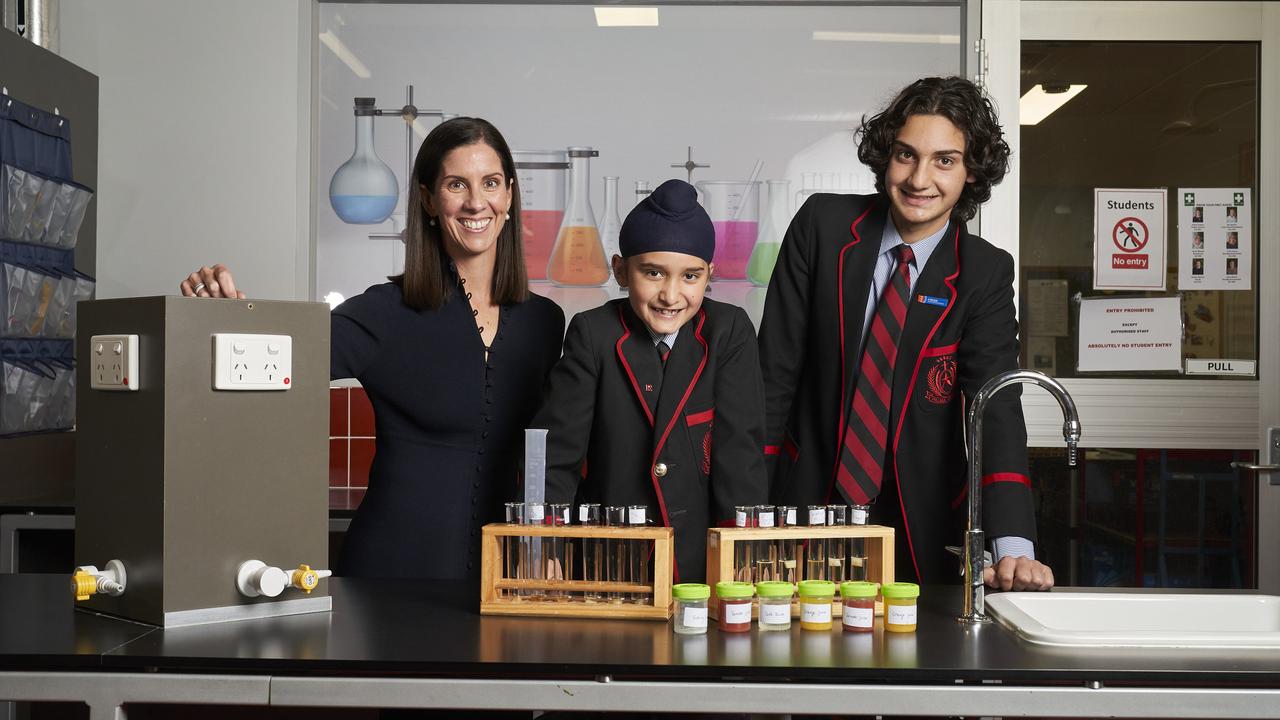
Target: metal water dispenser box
(202,445)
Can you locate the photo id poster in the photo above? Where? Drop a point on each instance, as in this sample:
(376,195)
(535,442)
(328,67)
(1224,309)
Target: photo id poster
(1215,247)
(1118,334)
(1129,238)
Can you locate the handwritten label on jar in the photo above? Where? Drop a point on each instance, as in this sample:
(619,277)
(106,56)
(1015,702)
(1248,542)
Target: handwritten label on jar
(791,516)
(900,614)
(775,613)
(766,519)
(818,516)
(815,612)
(695,617)
(735,613)
(535,513)
(584,513)
(635,515)
(859,516)
(859,617)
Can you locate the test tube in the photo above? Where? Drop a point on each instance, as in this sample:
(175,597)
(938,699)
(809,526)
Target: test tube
(858,546)
(592,550)
(837,548)
(618,555)
(511,546)
(815,550)
(559,558)
(531,549)
(766,551)
(636,516)
(744,516)
(788,549)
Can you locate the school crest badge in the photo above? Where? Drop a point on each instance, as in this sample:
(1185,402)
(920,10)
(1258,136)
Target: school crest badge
(940,383)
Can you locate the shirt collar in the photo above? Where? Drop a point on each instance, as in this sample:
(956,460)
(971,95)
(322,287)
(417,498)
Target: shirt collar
(922,249)
(670,340)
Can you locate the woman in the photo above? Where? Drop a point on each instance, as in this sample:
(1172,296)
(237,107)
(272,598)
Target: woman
(453,354)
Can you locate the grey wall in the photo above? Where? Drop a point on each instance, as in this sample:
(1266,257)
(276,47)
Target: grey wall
(205,136)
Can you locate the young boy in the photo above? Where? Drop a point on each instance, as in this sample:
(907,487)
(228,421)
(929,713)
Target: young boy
(884,313)
(658,399)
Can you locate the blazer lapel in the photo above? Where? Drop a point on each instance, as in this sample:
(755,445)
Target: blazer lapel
(639,360)
(937,281)
(684,367)
(857,267)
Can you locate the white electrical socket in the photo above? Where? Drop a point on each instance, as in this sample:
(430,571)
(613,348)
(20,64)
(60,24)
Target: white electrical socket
(252,362)
(113,362)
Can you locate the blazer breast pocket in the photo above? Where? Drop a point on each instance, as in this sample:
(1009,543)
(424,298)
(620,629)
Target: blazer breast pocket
(699,424)
(937,383)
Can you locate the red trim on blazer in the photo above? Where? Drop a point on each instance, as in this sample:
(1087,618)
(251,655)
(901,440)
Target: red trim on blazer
(699,418)
(939,351)
(897,435)
(662,504)
(840,426)
(988,480)
(1005,477)
(627,366)
(788,446)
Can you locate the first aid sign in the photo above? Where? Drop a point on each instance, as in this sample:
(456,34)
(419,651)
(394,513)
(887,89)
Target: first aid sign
(1129,239)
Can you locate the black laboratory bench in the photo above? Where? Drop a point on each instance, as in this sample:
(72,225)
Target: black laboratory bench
(423,644)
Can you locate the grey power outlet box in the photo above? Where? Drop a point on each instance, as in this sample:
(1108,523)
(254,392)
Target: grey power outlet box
(183,482)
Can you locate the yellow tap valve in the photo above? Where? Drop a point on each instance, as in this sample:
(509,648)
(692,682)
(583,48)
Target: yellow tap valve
(304,578)
(84,584)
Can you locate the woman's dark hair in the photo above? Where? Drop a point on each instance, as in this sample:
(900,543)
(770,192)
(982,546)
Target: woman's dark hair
(427,283)
(986,154)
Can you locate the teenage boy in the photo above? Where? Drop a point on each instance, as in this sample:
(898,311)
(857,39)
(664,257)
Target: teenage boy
(658,399)
(883,315)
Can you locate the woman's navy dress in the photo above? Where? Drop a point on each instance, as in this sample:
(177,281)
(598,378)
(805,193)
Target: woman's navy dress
(449,424)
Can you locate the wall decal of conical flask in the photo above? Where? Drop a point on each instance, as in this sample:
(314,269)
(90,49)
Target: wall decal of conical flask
(776,219)
(578,257)
(364,190)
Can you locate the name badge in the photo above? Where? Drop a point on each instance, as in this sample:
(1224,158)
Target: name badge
(931,300)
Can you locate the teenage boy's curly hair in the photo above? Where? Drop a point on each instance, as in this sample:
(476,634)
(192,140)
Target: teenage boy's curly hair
(986,154)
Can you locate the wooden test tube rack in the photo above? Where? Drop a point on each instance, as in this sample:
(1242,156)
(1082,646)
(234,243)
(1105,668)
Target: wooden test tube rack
(496,590)
(878,559)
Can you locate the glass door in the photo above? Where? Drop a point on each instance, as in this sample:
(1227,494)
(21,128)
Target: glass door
(1169,103)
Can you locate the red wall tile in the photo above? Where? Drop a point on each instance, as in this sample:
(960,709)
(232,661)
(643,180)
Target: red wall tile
(338,472)
(339,422)
(361,459)
(361,414)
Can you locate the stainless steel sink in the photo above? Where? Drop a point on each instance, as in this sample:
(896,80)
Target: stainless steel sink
(1140,619)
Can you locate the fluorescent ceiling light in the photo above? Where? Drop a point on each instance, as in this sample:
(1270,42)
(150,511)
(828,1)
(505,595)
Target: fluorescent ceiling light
(627,16)
(887,37)
(344,54)
(1039,104)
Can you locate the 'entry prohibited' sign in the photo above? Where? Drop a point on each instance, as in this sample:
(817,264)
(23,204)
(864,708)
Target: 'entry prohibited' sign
(1129,239)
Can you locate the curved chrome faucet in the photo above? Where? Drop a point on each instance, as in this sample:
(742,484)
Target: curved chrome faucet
(974,597)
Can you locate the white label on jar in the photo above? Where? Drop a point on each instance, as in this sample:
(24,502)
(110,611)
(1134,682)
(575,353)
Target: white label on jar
(694,617)
(818,516)
(815,612)
(535,513)
(583,513)
(900,614)
(859,516)
(736,613)
(740,519)
(791,516)
(564,516)
(635,516)
(859,617)
(775,613)
(766,519)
